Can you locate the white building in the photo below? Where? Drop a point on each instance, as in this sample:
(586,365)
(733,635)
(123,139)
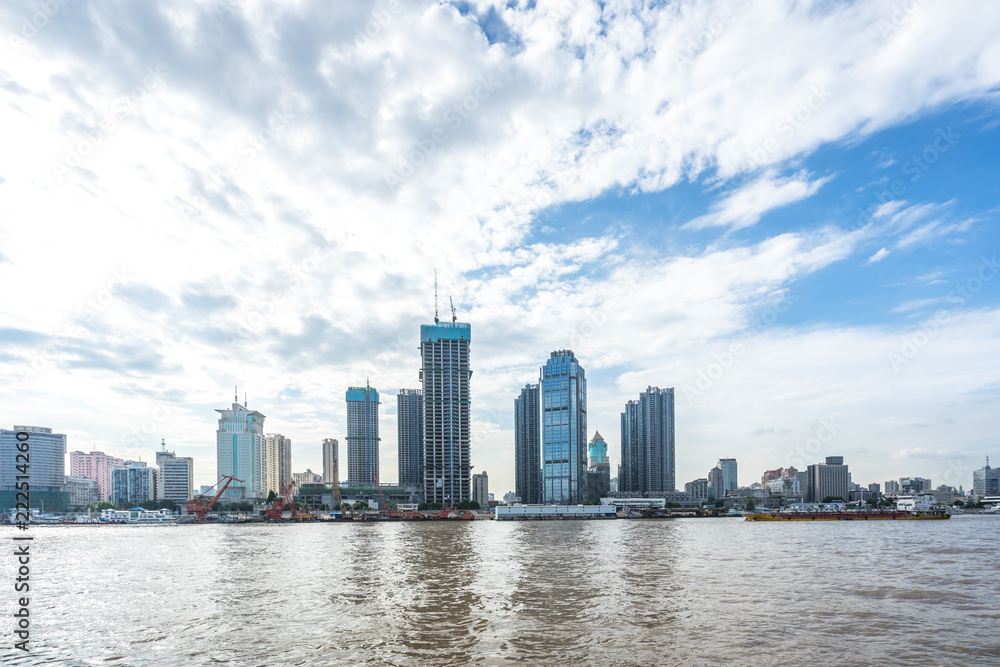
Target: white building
(176,476)
(240,452)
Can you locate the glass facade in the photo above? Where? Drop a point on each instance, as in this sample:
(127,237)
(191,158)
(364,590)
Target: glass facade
(527,446)
(241,453)
(563,390)
(410,420)
(648,443)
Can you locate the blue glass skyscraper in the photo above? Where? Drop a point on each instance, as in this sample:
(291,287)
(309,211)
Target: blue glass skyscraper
(563,389)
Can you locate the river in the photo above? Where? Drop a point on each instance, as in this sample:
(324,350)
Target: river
(625,592)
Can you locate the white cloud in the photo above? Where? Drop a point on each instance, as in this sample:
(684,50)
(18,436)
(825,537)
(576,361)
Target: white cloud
(744,207)
(878,256)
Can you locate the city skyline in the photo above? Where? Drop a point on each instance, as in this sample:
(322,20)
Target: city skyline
(804,247)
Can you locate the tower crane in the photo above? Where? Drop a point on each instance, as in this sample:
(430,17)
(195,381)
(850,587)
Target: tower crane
(454,317)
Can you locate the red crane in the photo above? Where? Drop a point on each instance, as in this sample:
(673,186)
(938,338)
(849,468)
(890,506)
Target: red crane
(382,504)
(202,504)
(277,510)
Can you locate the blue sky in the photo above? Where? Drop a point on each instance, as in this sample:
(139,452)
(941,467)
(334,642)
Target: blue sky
(197,195)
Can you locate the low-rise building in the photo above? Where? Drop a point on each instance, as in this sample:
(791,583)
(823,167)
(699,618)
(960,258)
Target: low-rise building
(82,491)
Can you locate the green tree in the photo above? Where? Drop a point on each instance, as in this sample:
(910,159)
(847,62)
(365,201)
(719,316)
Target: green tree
(750,504)
(104,505)
(872,502)
(148,504)
(959,503)
(360,505)
(474,505)
(422,506)
(271,497)
(167,504)
(720,504)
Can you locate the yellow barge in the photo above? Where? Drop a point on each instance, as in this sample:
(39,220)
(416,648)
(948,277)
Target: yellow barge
(848,516)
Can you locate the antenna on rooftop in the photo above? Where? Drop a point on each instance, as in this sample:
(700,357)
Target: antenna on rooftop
(163,444)
(244,399)
(435,296)
(236,393)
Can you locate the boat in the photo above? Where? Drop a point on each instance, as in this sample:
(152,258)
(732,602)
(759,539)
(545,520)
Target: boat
(848,515)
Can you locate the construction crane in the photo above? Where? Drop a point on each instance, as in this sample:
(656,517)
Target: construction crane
(202,504)
(454,317)
(277,510)
(382,504)
(435,296)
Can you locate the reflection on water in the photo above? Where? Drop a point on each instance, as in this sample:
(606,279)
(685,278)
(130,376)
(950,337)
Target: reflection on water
(652,592)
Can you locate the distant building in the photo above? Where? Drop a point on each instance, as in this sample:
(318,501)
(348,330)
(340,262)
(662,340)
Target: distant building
(133,482)
(563,392)
(599,469)
(481,489)
(175,479)
(647,450)
(306,478)
(410,437)
(528,446)
(914,485)
(986,481)
(331,464)
(82,491)
(891,487)
(46,467)
(780,473)
(96,466)
(784,486)
(362,436)
(446,377)
(722,478)
(240,452)
(278,462)
(697,488)
(875,488)
(828,479)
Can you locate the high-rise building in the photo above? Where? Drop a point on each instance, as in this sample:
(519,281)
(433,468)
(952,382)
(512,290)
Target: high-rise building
(410,428)
(175,480)
(648,443)
(826,480)
(362,435)
(240,452)
(875,488)
(527,446)
(598,469)
(914,485)
(96,466)
(445,376)
(986,481)
(891,487)
(45,467)
(331,462)
(481,489)
(133,482)
(722,478)
(46,460)
(277,462)
(563,391)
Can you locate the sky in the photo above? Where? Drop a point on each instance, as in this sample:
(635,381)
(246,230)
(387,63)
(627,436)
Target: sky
(787,211)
